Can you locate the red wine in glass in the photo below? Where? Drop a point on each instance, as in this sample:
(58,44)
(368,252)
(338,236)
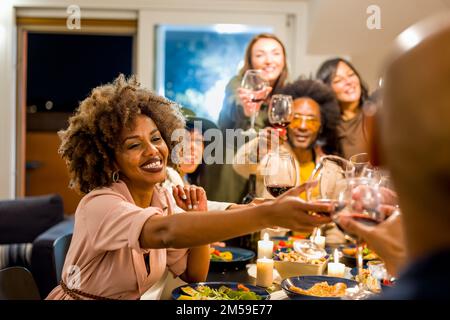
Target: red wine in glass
(280,111)
(257,100)
(277,190)
(363,218)
(281,124)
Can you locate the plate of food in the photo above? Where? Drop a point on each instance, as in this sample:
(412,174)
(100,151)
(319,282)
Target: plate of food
(229,258)
(316,287)
(219,291)
(349,255)
(284,242)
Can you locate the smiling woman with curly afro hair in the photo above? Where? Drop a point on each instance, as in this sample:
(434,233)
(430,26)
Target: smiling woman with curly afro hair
(88,145)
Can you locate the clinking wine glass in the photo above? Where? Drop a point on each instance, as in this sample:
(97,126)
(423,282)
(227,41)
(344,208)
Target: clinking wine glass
(280,174)
(256,87)
(280,112)
(360,199)
(361,162)
(328,179)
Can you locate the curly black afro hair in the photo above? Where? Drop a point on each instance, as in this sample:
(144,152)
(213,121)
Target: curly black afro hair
(88,144)
(329,109)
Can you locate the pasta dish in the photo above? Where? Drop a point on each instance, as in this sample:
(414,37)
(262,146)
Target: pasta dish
(322,289)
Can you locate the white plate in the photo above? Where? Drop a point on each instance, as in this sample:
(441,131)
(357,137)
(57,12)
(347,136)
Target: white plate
(251,270)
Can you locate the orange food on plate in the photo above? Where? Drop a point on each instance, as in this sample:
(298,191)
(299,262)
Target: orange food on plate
(349,251)
(322,289)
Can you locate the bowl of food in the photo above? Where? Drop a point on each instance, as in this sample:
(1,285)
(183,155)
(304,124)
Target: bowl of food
(316,287)
(219,291)
(290,263)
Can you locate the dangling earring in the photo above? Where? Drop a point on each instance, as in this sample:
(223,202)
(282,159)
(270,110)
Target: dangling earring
(115,176)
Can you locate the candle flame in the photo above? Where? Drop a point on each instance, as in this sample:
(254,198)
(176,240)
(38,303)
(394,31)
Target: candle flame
(336,256)
(318,233)
(266,236)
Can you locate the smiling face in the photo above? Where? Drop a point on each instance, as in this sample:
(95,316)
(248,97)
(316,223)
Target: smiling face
(142,156)
(191,159)
(267,55)
(346,84)
(304,129)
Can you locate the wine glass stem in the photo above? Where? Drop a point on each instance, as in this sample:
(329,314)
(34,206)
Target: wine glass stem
(359,258)
(252,120)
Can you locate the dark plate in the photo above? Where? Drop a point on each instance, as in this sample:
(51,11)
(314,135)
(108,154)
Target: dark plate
(306,282)
(216,285)
(241,257)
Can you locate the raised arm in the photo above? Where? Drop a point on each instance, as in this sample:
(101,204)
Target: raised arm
(191,229)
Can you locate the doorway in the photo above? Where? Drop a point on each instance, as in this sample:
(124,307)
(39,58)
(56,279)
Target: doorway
(57,69)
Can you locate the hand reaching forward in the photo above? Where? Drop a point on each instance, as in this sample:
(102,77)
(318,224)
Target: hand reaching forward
(289,211)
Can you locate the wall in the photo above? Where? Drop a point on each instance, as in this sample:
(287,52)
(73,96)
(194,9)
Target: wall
(320,29)
(341,27)
(7,100)
(300,62)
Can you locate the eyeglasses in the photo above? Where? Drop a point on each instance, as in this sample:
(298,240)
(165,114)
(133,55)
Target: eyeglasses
(308,122)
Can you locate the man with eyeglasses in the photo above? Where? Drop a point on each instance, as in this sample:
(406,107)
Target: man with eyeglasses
(311,134)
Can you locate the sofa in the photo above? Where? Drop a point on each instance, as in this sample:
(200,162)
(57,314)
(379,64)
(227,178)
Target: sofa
(35,234)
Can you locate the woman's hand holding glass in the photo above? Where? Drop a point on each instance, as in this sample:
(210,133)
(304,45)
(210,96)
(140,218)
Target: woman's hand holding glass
(301,221)
(248,97)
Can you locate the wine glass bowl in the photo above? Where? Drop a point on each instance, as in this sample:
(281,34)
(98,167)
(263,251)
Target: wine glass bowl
(256,88)
(361,162)
(327,179)
(362,200)
(279,173)
(280,111)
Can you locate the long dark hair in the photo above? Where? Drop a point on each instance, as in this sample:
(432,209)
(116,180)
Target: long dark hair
(248,60)
(328,69)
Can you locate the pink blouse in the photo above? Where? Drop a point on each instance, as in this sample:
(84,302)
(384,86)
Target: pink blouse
(105,257)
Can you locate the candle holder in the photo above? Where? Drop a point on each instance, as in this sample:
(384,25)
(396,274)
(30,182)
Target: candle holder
(264,272)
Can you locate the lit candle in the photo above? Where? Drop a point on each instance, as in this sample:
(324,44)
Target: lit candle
(265,247)
(319,240)
(264,272)
(336,269)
